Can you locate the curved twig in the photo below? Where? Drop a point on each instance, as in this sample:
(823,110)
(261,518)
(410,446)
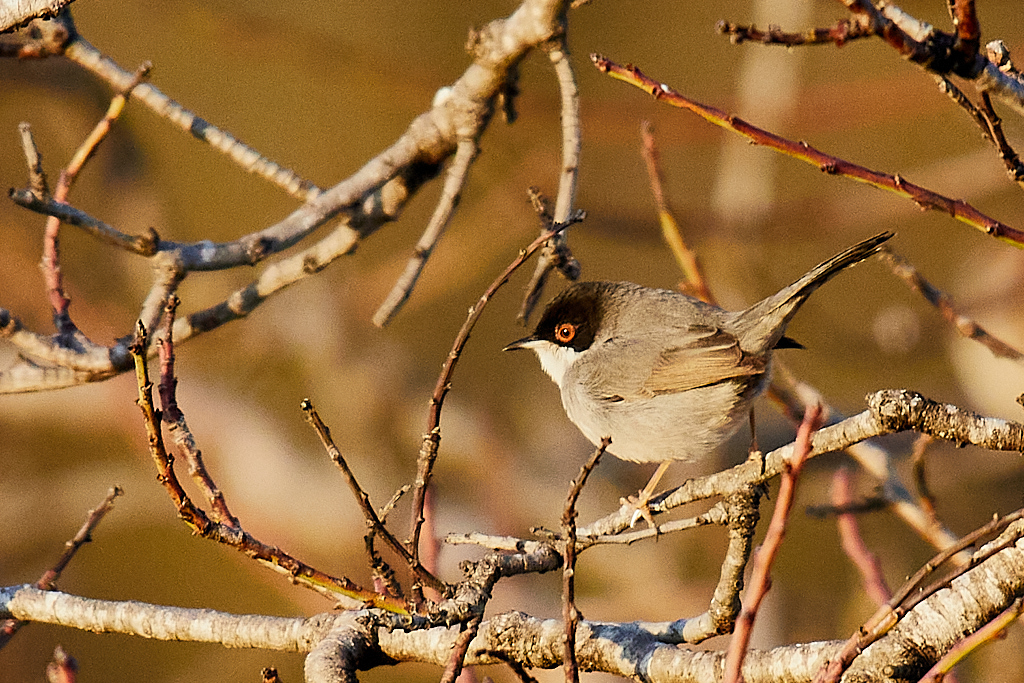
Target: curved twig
(556,254)
(450,194)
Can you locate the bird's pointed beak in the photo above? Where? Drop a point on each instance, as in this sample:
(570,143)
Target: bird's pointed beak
(524,343)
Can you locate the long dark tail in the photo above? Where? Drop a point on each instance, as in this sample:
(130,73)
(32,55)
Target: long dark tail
(762,325)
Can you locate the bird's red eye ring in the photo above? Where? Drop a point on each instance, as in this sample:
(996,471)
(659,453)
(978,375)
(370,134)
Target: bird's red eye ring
(565,332)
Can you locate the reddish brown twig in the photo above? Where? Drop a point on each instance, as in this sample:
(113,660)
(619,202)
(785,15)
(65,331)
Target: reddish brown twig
(432,438)
(49,578)
(51,240)
(571,615)
(234,536)
(844,31)
(921,196)
(693,278)
(912,593)
(178,428)
(853,543)
(760,579)
(457,658)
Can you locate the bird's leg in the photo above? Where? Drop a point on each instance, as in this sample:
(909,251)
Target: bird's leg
(755,450)
(753,433)
(639,501)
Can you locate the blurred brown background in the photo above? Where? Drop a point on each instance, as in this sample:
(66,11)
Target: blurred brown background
(322,87)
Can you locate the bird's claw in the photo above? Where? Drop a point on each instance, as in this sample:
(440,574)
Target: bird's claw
(640,506)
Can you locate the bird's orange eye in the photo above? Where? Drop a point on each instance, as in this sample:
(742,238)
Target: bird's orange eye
(565,332)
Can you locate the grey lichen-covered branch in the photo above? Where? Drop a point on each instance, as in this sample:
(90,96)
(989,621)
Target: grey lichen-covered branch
(345,642)
(362,203)
(340,644)
(889,411)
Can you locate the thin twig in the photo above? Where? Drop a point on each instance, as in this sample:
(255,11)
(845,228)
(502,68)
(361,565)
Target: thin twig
(81,52)
(201,524)
(844,31)
(917,460)
(324,432)
(49,578)
(177,426)
(36,174)
(1014,166)
(432,438)
(457,658)
(831,165)
(455,180)
(556,254)
(693,277)
(986,118)
(942,301)
(570,615)
(957,95)
(715,516)
(384,579)
(853,544)
(51,236)
(760,579)
(65,213)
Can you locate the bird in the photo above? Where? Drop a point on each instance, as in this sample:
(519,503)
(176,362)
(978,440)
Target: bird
(666,376)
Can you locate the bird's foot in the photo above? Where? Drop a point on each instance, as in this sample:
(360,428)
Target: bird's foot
(641,508)
(757,456)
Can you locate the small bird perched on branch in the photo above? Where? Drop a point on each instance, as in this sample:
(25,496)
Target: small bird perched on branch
(666,376)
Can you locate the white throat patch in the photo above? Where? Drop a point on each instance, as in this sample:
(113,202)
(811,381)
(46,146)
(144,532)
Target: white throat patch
(554,359)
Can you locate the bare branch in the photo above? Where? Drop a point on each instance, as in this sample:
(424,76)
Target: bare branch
(965,326)
(840,34)
(49,578)
(570,614)
(66,213)
(760,575)
(159,622)
(458,172)
(921,196)
(889,411)
(373,196)
(227,531)
(363,499)
(556,254)
(81,52)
